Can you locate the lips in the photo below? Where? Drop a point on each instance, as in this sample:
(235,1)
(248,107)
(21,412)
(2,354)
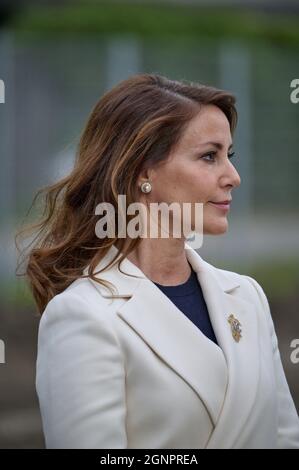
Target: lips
(223,205)
(228,201)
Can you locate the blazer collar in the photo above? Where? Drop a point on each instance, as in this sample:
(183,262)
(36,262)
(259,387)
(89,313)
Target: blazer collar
(126,285)
(225,378)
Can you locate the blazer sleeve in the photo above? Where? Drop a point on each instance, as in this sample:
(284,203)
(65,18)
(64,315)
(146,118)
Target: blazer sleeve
(80,377)
(288,421)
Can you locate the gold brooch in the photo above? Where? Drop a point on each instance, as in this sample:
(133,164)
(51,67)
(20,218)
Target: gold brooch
(235,326)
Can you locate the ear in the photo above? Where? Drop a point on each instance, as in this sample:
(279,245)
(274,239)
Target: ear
(146,174)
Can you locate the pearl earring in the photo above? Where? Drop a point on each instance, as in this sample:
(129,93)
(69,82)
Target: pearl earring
(146,187)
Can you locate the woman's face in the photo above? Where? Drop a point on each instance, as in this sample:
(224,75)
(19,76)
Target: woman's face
(199,169)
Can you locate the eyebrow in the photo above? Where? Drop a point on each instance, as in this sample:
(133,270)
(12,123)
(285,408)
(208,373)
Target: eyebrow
(217,144)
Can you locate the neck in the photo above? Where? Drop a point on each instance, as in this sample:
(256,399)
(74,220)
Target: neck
(163,261)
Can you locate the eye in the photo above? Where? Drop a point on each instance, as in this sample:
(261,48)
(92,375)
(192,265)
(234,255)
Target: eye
(210,157)
(210,154)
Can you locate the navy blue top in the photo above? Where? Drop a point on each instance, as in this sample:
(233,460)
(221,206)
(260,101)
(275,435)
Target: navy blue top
(188,298)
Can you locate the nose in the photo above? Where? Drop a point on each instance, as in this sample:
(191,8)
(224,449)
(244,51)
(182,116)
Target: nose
(231,176)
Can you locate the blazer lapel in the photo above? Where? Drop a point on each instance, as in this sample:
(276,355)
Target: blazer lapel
(224,378)
(176,340)
(242,357)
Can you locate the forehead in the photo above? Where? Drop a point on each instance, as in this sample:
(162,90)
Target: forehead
(210,124)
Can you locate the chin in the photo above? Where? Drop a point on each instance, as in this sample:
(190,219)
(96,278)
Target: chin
(215,228)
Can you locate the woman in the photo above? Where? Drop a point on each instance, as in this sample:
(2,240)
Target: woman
(142,343)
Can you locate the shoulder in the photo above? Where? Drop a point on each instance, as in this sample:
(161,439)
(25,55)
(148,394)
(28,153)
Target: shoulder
(77,342)
(247,288)
(80,307)
(250,287)
(82,293)
(243,286)
(246,285)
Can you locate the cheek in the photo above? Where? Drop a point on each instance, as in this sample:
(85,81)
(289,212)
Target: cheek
(184,183)
(167,185)
(200,185)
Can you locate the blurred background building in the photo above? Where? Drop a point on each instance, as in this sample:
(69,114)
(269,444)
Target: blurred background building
(57,58)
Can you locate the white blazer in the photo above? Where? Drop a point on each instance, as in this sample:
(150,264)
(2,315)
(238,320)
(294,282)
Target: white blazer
(134,372)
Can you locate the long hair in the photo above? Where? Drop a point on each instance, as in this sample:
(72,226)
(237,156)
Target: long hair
(135,124)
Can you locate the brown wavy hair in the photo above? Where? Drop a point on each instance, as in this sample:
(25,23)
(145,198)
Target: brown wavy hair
(134,125)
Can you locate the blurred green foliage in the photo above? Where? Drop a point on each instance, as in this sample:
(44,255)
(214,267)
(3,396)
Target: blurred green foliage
(158,21)
(16,294)
(280,279)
